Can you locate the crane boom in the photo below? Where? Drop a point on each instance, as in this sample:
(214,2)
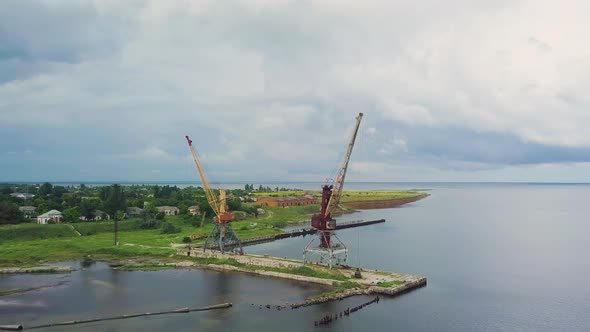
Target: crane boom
(339,183)
(217,204)
(222,236)
(323,222)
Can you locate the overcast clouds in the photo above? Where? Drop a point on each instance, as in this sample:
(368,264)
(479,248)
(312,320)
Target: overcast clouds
(451,90)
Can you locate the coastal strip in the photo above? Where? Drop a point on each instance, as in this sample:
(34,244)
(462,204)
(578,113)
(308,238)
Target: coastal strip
(345,281)
(36,269)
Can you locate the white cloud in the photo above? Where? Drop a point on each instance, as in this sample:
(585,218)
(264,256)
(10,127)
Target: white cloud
(279,82)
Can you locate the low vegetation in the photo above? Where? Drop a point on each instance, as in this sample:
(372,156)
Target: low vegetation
(35,232)
(149,235)
(393,283)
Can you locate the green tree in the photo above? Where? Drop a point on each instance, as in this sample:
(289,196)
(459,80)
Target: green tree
(58,191)
(119,215)
(168,228)
(9,213)
(204,207)
(72,214)
(234,204)
(87,206)
(115,199)
(45,189)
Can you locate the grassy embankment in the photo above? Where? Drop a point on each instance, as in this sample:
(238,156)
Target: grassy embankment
(30,244)
(340,284)
(352,195)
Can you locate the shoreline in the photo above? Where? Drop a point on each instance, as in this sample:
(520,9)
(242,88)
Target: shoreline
(143,245)
(383,204)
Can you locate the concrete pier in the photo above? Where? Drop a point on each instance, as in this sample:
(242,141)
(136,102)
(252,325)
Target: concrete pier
(370,282)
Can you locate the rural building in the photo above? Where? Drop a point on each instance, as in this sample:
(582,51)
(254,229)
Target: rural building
(100,215)
(54,216)
(24,196)
(132,212)
(27,211)
(286,201)
(194,210)
(168,210)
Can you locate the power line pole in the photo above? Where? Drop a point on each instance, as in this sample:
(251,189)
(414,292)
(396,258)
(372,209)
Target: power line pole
(115,192)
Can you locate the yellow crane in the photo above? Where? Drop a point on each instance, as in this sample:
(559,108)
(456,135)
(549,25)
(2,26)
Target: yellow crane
(222,236)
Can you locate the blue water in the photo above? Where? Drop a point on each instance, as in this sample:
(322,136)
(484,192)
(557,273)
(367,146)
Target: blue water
(498,257)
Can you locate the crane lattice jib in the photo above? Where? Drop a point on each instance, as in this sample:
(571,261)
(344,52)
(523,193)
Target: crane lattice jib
(339,183)
(214,202)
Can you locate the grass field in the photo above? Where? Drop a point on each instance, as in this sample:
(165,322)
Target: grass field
(350,195)
(30,244)
(362,196)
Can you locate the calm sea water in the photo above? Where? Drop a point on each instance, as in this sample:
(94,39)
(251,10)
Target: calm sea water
(498,257)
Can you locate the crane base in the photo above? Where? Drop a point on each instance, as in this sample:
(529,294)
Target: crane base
(223,237)
(335,254)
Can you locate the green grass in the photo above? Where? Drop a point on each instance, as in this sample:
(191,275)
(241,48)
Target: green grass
(35,232)
(393,283)
(29,244)
(351,195)
(301,270)
(291,214)
(377,195)
(338,288)
(91,228)
(286,193)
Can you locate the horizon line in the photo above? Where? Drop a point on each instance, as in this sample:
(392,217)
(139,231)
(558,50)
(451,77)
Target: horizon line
(280,182)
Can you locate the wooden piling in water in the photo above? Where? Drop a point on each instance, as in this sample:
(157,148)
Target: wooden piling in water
(76,322)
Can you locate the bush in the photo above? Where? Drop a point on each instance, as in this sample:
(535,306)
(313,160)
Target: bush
(148,224)
(168,228)
(186,239)
(279,224)
(160,216)
(10,214)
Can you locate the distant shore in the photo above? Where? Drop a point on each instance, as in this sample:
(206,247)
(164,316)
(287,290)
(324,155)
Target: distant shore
(30,244)
(383,204)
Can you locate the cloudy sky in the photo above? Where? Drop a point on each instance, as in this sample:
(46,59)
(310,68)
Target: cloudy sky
(456,90)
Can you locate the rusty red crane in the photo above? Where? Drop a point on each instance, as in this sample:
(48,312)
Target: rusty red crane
(323,222)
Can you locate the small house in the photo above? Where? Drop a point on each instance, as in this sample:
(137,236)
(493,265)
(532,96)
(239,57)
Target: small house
(52,216)
(194,210)
(100,215)
(168,210)
(133,212)
(27,211)
(24,196)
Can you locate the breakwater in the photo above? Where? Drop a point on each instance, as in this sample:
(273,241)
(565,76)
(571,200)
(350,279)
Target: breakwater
(371,282)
